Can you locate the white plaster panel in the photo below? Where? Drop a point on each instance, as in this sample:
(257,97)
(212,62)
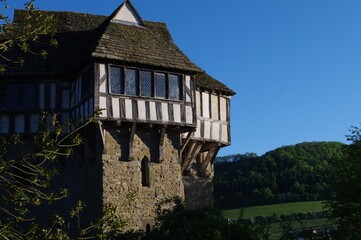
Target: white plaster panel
(82,115)
(153,111)
(77,113)
(177,113)
(207,129)
(141,110)
(188,85)
(77,90)
(91,106)
(214,106)
(65,99)
(19,123)
(64,118)
(165,115)
(128,109)
(116,108)
(4,123)
(52,95)
(225,133)
(215,131)
(189,115)
(223,108)
(102,75)
(197,134)
(86,110)
(198,103)
(127,14)
(205,103)
(34,123)
(72,97)
(41,95)
(103,106)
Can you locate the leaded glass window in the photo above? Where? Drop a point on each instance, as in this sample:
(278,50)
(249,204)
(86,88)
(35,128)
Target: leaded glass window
(116,80)
(131,82)
(175,87)
(160,83)
(12,97)
(146,85)
(29,96)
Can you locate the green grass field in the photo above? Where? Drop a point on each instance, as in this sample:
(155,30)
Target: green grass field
(286,209)
(278,209)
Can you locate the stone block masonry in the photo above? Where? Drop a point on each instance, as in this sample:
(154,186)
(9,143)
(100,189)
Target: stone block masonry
(123,187)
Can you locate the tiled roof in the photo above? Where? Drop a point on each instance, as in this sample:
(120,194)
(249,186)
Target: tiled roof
(77,34)
(83,37)
(203,80)
(149,45)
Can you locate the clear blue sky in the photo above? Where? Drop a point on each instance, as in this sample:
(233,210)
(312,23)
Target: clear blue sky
(295,64)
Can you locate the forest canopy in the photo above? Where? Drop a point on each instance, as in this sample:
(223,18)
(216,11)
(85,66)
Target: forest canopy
(298,172)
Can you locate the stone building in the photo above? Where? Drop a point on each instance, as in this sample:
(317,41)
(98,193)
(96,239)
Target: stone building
(162,122)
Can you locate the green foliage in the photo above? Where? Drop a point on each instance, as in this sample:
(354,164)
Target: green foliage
(345,208)
(285,209)
(27,166)
(184,224)
(299,172)
(35,25)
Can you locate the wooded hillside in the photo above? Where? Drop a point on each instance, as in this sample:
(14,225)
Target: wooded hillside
(299,172)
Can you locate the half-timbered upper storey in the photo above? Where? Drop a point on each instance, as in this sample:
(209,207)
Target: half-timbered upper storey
(127,67)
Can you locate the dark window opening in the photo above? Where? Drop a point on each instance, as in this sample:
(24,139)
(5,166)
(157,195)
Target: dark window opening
(146,84)
(21,96)
(135,82)
(175,87)
(145,172)
(116,80)
(131,82)
(147,228)
(160,84)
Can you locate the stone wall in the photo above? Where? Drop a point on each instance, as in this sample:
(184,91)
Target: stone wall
(122,179)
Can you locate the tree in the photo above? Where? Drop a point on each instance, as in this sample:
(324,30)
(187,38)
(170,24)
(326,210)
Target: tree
(207,223)
(345,208)
(27,166)
(34,26)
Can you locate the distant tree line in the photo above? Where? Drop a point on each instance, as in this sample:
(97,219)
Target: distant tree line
(300,172)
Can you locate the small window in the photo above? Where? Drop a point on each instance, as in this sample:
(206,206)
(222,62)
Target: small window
(160,83)
(131,82)
(146,86)
(175,87)
(145,172)
(116,80)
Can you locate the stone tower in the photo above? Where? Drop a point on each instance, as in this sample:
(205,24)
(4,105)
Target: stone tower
(162,123)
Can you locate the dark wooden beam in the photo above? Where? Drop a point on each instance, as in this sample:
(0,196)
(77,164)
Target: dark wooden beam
(208,159)
(187,158)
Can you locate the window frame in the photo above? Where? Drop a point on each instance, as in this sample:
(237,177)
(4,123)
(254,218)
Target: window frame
(19,101)
(139,92)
